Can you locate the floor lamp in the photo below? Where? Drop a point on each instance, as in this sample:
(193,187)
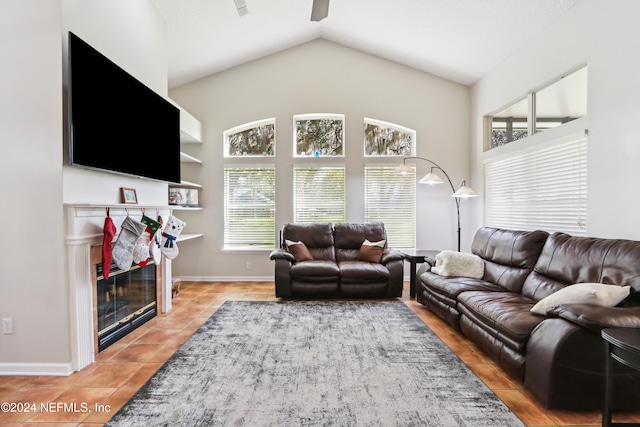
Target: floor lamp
(432,178)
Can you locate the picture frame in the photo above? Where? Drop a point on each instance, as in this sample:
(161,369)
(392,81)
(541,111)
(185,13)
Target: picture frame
(128,196)
(186,197)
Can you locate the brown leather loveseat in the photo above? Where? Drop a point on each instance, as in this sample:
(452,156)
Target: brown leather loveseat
(338,262)
(558,355)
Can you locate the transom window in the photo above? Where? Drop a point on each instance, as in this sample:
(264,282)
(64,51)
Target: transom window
(319,135)
(251,139)
(561,102)
(388,139)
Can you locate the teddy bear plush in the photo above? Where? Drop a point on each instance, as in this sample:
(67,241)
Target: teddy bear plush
(170,233)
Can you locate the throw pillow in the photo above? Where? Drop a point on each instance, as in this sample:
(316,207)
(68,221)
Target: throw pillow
(583,293)
(458,264)
(299,251)
(371,251)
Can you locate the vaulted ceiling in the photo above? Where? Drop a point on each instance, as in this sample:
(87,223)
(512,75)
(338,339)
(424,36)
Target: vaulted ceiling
(459,40)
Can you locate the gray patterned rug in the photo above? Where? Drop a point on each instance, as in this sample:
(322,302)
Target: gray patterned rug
(314,363)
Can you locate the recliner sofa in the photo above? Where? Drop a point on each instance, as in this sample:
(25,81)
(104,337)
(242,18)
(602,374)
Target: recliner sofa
(336,269)
(558,356)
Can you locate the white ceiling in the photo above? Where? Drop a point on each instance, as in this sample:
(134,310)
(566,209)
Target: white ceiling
(460,40)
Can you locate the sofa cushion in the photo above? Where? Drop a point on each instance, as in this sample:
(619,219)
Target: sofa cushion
(583,293)
(458,264)
(349,238)
(451,287)
(315,271)
(299,251)
(504,315)
(509,255)
(567,259)
(317,237)
(362,271)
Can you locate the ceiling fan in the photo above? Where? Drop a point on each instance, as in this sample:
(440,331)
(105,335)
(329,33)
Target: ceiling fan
(320,10)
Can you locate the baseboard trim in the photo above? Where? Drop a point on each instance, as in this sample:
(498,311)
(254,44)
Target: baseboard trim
(223,278)
(55,369)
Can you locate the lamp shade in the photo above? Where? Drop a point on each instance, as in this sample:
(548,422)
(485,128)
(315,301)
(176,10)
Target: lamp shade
(403,169)
(431,178)
(464,191)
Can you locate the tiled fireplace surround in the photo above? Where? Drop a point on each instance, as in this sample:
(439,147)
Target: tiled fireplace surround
(85,225)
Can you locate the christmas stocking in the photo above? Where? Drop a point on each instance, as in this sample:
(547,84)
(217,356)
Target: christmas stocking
(141,253)
(141,249)
(122,252)
(107,245)
(169,235)
(156,253)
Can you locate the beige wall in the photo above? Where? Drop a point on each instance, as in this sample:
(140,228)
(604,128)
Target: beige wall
(321,77)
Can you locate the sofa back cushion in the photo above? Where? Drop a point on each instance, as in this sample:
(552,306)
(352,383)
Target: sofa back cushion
(566,260)
(317,237)
(509,256)
(349,238)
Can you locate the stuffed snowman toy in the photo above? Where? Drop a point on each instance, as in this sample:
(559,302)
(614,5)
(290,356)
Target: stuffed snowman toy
(171,231)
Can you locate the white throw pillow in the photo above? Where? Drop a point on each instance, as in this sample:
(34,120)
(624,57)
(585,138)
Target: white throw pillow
(458,264)
(583,293)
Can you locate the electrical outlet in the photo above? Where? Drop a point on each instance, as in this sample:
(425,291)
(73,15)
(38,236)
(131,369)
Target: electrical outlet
(248,265)
(7,325)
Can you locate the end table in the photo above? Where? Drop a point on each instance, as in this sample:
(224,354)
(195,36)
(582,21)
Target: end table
(415,257)
(622,345)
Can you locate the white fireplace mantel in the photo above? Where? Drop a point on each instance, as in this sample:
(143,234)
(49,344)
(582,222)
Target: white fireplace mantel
(85,224)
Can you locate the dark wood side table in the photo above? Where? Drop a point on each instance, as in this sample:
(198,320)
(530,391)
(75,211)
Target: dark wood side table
(415,257)
(623,346)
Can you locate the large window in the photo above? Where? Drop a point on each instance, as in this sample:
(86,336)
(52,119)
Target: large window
(249,207)
(319,194)
(251,139)
(319,135)
(541,189)
(391,198)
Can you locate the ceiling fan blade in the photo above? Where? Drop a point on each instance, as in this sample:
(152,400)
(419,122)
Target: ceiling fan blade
(320,10)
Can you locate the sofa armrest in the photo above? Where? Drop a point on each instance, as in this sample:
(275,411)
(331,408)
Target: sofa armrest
(391,255)
(282,254)
(596,317)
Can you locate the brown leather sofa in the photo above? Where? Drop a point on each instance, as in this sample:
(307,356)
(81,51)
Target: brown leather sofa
(560,356)
(336,270)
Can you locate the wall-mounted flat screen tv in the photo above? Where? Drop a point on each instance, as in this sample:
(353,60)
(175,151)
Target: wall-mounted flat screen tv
(116,123)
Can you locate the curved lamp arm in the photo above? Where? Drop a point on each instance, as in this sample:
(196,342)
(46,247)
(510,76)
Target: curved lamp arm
(467,192)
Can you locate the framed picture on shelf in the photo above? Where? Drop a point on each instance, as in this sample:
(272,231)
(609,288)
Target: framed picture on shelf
(128,195)
(187,197)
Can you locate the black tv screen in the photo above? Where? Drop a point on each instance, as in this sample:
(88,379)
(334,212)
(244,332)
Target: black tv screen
(116,123)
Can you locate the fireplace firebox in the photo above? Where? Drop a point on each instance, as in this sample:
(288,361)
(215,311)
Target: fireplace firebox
(125,301)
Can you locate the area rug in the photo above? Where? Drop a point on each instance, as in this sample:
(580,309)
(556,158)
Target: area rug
(314,363)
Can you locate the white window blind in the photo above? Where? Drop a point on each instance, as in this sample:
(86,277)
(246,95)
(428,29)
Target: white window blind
(391,198)
(541,190)
(319,194)
(249,207)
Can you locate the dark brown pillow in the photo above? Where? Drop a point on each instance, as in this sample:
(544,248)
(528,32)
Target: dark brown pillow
(299,251)
(370,253)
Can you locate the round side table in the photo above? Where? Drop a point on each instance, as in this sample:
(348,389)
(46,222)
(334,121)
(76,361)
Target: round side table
(623,346)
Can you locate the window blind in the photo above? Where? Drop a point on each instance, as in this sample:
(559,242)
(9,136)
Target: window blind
(249,207)
(391,198)
(319,194)
(541,190)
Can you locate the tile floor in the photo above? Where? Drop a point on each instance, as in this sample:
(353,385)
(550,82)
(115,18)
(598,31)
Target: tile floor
(90,397)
